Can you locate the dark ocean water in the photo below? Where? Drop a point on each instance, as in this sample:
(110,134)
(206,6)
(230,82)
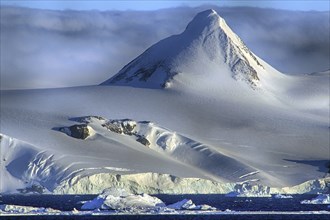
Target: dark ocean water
(69,202)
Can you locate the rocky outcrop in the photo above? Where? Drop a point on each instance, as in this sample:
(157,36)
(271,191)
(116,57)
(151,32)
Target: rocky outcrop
(113,127)
(33,189)
(143,141)
(125,126)
(79,131)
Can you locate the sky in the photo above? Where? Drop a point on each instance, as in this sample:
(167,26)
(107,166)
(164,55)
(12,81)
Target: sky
(62,48)
(304,5)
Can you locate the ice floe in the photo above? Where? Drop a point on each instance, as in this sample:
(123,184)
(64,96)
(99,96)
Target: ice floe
(121,201)
(18,209)
(320,199)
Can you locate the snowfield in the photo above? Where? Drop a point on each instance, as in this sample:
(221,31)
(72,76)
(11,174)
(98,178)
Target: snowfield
(197,112)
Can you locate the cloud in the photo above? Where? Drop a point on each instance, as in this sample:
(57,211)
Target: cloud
(44,48)
(293,42)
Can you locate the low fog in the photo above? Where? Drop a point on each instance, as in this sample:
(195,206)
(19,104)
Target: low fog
(44,48)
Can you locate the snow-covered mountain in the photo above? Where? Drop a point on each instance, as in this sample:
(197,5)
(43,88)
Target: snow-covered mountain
(206,42)
(227,120)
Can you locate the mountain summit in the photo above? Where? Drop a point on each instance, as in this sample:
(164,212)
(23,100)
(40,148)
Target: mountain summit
(206,42)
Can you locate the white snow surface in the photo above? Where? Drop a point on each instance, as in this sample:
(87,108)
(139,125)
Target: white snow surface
(214,126)
(187,204)
(119,200)
(207,48)
(17,209)
(280,196)
(320,199)
(116,201)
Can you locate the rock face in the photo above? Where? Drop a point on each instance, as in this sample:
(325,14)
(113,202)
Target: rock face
(125,126)
(206,40)
(113,127)
(79,131)
(33,189)
(143,141)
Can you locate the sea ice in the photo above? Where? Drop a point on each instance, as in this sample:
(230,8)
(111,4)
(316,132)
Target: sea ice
(18,209)
(187,204)
(320,199)
(280,196)
(118,199)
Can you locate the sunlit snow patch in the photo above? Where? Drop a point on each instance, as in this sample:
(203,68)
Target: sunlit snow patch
(18,209)
(121,201)
(118,199)
(281,196)
(187,204)
(320,199)
(246,189)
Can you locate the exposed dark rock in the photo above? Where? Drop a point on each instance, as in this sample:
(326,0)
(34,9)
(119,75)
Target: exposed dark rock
(143,141)
(33,189)
(125,126)
(79,131)
(113,127)
(243,71)
(128,127)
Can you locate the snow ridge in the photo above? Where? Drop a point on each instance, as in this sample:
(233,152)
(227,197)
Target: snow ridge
(219,38)
(169,144)
(44,171)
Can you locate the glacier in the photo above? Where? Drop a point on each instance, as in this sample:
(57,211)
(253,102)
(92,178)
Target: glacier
(197,112)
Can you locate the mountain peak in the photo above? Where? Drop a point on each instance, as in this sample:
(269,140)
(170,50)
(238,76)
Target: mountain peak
(207,40)
(208,22)
(208,19)
(209,13)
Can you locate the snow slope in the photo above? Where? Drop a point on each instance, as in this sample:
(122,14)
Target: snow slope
(207,42)
(224,116)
